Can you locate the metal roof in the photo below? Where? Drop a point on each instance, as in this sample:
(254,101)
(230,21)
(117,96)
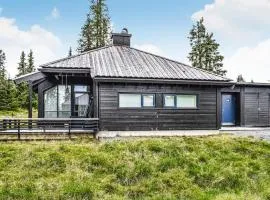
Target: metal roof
(126,62)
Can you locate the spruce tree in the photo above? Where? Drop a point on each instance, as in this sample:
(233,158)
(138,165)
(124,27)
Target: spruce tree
(22,88)
(22,68)
(8,92)
(30,67)
(2,64)
(3,89)
(95,32)
(12,94)
(205,50)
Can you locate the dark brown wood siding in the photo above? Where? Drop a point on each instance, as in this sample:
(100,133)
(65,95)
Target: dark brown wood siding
(256,106)
(114,118)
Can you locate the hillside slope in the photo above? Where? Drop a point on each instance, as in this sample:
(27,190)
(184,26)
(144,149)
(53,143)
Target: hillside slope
(220,167)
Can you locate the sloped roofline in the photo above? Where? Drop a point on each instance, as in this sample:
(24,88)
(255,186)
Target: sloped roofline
(178,62)
(162,57)
(73,56)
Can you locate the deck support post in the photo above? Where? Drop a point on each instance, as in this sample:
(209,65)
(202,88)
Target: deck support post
(30,103)
(30,94)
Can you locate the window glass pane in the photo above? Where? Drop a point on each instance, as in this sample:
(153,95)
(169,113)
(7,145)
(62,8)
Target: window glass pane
(81,104)
(80,88)
(129,100)
(169,100)
(50,114)
(64,114)
(187,101)
(64,101)
(148,100)
(50,103)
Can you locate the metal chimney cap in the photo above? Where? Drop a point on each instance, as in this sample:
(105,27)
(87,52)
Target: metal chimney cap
(125,30)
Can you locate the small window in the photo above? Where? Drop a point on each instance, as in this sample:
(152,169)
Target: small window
(169,100)
(148,100)
(130,100)
(186,101)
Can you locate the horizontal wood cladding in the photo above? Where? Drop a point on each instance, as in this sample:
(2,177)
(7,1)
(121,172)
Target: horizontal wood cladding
(114,118)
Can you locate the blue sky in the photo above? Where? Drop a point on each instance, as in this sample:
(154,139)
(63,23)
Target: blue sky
(50,27)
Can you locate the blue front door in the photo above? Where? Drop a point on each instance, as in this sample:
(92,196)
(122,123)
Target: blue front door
(228,109)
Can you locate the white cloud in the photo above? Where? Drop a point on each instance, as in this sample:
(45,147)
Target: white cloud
(242,27)
(251,62)
(45,45)
(150,48)
(55,14)
(237,19)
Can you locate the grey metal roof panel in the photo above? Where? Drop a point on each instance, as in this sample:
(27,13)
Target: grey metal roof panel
(127,62)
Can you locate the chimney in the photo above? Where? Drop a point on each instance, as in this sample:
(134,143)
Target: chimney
(122,38)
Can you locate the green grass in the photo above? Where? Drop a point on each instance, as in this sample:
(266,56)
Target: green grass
(220,167)
(21,113)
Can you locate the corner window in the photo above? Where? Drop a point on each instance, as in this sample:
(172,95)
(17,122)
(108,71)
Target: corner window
(50,103)
(136,100)
(57,101)
(180,101)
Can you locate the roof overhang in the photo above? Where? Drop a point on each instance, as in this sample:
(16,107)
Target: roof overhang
(163,81)
(65,70)
(31,77)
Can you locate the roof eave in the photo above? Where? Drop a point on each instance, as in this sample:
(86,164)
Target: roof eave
(164,81)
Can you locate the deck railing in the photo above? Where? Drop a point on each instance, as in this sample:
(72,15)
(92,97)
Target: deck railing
(21,126)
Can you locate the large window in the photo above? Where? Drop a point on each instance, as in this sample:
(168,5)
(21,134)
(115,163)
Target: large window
(50,103)
(64,101)
(81,100)
(180,101)
(58,101)
(129,100)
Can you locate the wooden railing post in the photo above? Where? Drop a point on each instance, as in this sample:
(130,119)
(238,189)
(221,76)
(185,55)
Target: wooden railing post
(19,131)
(69,129)
(4,124)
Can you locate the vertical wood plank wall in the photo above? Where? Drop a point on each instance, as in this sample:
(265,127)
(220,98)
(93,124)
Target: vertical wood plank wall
(159,118)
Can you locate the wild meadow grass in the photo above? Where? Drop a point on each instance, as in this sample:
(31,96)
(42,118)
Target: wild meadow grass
(219,167)
(20,113)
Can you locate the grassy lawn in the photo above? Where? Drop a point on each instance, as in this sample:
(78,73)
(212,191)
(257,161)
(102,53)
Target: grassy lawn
(219,167)
(21,113)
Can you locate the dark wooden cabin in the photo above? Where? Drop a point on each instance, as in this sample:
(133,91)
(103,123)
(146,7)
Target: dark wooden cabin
(129,89)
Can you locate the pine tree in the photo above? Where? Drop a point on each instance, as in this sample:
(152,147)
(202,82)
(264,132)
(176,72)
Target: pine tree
(95,32)
(30,67)
(205,50)
(22,68)
(70,52)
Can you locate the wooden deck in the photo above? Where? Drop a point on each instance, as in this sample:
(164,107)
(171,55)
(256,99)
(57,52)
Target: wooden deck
(27,127)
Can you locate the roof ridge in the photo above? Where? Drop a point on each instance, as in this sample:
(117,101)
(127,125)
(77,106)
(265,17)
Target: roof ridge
(178,62)
(73,56)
